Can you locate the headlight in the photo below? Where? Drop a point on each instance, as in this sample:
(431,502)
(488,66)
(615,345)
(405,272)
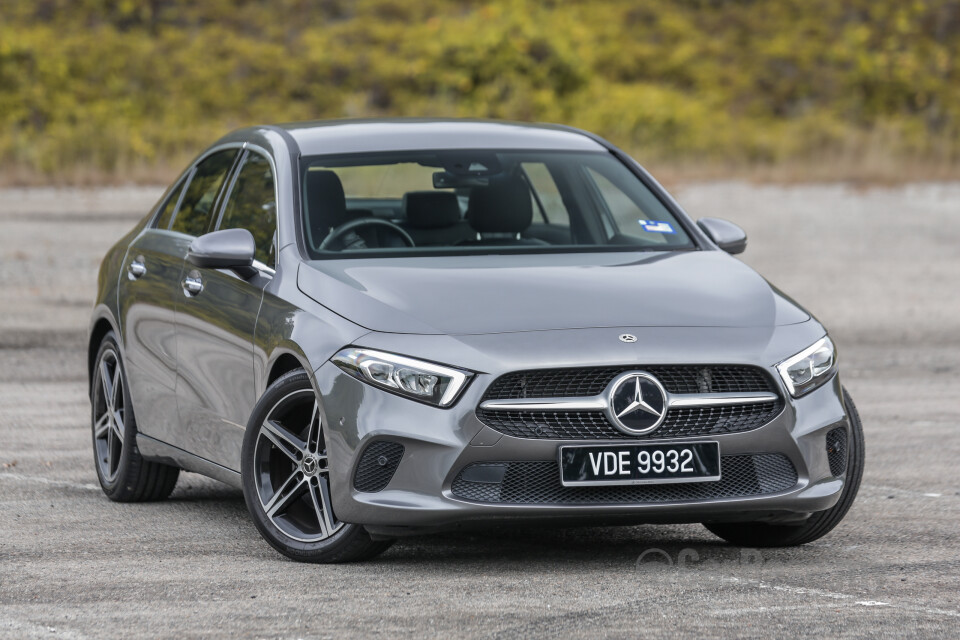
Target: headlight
(415,379)
(810,368)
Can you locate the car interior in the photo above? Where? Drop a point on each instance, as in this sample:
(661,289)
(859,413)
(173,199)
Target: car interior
(466,202)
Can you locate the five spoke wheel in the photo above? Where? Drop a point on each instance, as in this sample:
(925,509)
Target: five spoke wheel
(286,470)
(291,471)
(124,474)
(108,414)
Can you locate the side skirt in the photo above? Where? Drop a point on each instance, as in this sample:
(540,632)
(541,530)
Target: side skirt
(158,451)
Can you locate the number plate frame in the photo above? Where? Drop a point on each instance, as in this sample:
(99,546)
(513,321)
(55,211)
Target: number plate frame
(576,468)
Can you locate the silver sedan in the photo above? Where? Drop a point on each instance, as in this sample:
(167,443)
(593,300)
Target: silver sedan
(382,328)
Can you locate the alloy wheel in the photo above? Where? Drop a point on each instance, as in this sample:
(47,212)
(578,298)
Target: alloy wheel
(291,471)
(108,414)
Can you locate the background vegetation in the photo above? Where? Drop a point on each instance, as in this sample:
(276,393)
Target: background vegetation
(120,89)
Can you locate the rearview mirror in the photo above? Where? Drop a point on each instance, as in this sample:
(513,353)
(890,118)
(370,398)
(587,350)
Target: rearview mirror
(226,249)
(725,234)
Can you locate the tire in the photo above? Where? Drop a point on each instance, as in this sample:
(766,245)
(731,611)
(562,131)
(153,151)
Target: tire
(286,480)
(123,473)
(759,534)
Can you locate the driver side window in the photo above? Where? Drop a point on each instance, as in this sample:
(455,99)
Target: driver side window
(252,205)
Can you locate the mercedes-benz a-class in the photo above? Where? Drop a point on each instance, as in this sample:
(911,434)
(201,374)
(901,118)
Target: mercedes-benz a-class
(380,328)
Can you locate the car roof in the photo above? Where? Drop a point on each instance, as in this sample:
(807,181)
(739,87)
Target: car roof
(404,134)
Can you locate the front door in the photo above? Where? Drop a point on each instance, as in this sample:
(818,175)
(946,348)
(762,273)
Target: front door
(215,376)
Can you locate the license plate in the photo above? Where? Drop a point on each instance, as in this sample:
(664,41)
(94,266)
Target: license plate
(639,464)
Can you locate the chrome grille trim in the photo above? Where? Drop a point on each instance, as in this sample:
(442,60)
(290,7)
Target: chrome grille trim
(601,402)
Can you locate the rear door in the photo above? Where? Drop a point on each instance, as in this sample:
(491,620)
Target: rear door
(215,376)
(148,291)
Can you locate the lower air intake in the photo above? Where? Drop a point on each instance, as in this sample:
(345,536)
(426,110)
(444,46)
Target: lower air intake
(377,466)
(538,482)
(837,450)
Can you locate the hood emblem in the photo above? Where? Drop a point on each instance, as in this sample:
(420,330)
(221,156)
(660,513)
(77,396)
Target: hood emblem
(637,403)
(628,337)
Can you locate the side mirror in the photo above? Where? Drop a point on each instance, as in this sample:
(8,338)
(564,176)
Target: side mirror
(226,249)
(725,234)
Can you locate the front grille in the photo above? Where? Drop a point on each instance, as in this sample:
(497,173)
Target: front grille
(837,450)
(538,482)
(377,465)
(594,425)
(567,383)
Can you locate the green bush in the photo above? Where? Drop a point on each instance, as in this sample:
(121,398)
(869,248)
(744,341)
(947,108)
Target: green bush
(109,84)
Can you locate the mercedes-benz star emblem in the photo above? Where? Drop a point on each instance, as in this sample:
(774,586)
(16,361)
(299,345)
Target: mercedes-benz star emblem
(627,337)
(637,403)
(310,466)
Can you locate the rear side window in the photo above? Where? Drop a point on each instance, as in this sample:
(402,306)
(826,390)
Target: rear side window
(196,210)
(166,212)
(252,205)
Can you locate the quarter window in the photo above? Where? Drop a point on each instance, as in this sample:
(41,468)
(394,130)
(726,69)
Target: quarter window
(196,210)
(252,205)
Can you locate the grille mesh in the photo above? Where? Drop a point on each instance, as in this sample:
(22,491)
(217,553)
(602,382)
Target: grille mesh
(566,383)
(538,482)
(837,450)
(594,425)
(377,466)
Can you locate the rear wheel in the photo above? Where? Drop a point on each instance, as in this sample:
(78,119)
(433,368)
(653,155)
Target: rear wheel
(286,478)
(124,475)
(760,534)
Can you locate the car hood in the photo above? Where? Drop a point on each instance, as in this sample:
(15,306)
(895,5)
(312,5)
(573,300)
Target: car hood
(535,292)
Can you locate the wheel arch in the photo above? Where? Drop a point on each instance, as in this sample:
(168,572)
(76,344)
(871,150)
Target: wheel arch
(99,328)
(284,363)
(285,357)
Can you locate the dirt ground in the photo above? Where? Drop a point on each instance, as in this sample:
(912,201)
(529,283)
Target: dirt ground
(880,267)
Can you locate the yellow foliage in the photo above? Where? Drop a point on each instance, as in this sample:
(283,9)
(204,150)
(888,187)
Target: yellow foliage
(109,83)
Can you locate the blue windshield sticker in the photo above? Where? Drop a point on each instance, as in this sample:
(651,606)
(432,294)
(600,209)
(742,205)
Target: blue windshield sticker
(656,226)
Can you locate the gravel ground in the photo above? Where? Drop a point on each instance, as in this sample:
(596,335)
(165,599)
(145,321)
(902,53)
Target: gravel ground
(880,267)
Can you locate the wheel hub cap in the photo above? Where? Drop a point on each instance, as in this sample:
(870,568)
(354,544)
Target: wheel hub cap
(310,466)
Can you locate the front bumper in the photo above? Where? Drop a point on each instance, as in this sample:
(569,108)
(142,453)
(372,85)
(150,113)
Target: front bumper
(439,443)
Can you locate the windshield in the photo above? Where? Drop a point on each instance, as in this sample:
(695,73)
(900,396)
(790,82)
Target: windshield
(420,203)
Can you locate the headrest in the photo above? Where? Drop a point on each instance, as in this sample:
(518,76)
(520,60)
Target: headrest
(326,202)
(431,209)
(503,206)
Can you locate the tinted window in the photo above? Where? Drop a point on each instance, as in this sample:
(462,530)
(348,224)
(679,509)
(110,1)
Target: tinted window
(252,205)
(196,210)
(169,206)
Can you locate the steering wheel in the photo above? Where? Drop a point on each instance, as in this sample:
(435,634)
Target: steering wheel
(343,230)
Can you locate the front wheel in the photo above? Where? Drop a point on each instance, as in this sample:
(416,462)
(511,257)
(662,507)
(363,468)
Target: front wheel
(759,534)
(286,478)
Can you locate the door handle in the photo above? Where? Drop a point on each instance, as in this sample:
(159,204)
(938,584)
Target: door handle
(136,268)
(192,285)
